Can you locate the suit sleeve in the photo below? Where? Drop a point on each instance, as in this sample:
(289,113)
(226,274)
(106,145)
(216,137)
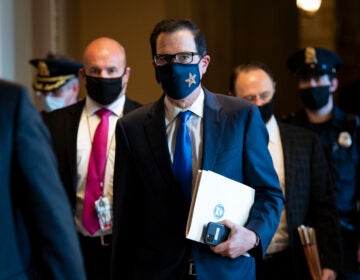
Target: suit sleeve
(45,206)
(260,174)
(124,209)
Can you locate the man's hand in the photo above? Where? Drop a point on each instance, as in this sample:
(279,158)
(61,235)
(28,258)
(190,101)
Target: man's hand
(328,274)
(240,241)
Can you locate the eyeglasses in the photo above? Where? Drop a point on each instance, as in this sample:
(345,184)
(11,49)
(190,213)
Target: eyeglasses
(181,57)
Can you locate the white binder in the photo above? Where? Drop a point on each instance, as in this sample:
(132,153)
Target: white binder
(216,198)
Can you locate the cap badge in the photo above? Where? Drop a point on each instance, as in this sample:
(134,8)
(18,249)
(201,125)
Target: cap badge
(43,69)
(344,139)
(310,55)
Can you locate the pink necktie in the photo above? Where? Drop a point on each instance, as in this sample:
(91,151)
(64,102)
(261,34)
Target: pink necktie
(96,172)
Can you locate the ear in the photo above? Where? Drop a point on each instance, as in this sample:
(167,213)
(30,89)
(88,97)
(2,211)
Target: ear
(334,85)
(127,75)
(125,79)
(204,64)
(75,87)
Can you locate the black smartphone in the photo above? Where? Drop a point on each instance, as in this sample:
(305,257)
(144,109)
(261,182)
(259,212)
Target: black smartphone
(215,233)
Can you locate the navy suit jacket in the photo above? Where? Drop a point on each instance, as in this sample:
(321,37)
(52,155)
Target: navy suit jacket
(150,212)
(309,193)
(37,229)
(63,125)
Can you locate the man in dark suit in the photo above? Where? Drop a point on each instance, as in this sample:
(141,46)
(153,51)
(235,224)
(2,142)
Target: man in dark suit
(38,236)
(151,197)
(74,131)
(302,169)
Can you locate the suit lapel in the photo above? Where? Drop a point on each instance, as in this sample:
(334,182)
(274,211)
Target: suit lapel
(286,145)
(156,135)
(213,133)
(71,127)
(214,122)
(72,120)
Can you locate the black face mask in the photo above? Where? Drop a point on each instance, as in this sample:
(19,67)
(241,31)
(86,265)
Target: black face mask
(316,97)
(267,110)
(104,90)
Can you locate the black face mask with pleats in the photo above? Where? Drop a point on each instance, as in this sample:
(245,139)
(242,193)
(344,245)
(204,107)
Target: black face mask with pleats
(267,110)
(315,97)
(104,90)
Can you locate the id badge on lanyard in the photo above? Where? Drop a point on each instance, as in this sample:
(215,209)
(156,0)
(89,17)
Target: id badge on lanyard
(103,210)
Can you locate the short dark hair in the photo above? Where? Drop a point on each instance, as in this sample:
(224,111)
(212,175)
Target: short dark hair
(246,67)
(173,25)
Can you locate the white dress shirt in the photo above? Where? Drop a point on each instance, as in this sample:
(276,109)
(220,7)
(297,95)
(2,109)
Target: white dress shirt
(280,241)
(88,123)
(195,128)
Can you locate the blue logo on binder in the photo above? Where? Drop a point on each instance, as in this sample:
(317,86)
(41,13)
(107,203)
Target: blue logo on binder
(219,211)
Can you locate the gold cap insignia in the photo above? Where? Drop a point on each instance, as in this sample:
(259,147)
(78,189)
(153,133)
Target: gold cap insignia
(310,55)
(43,69)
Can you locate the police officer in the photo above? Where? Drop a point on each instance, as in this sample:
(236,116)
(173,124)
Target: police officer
(315,70)
(56,83)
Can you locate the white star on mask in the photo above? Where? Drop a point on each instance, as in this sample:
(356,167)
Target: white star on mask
(191,80)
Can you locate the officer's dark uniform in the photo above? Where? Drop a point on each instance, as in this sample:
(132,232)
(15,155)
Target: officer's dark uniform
(348,96)
(340,139)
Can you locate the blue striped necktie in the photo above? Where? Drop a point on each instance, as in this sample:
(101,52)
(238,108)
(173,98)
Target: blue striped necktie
(182,163)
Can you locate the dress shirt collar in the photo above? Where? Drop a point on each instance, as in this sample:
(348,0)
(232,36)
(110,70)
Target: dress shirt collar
(117,107)
(273,129)
(171,111)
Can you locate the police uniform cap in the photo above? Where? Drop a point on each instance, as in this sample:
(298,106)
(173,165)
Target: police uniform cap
(53,72)
(311,62)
